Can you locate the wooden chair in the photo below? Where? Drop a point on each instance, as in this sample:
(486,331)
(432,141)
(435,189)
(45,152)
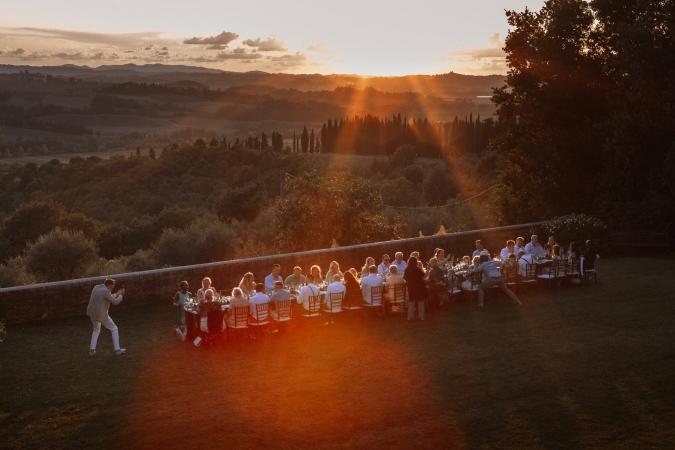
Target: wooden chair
(574,269)
(549,274)
(397,302)
(591,273)
(334,303)
(260,319)
(239,324)
(530,275)
(281,315)
(376,303)
(453,288)
(314,310)
(510,276)
(215,327)
(333,306)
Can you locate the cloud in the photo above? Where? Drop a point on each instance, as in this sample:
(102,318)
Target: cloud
(31,45)
(484,60)
(74,56)
(22,55)
(289,61)
(318,47)
(270,44)
(84,37)
(217,42)
(239,54)
(16,52)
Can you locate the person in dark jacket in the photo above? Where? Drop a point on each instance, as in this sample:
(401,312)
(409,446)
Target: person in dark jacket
(353,297)
(417,288)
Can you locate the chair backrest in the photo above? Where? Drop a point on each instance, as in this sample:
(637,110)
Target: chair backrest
(399,293)
(509,273)
(335,301)
(530,271)
(573,266)
(284,309)
(240,315)
(314,304)
(214,321)
(561,268)
(476,278)
(452,279)
(261,312)
(376,295)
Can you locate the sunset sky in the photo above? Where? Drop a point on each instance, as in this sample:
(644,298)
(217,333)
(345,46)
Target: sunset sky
(348,36)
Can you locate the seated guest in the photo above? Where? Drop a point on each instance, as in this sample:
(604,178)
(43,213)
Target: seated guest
(179,299)
(439,254)
(296,279)
(369,281)
(492,277)
(534,248)
(353,296)
(573,251)
(520,245)
(355,273)
(399,262)
(511,263)
(508,250)
(247,284)
(475,262)
(259,298)
(555,252)
(383,267)
(420,264)
(333,268)
(417,289)
(206,305)
(336,287)
(315,275)
(464,263)
(393,280)
(206,284)
(523,260)
(311,289)
(273,277)
(437,283)
(479,248)
(279,294)
(370,261)
(549,245)
(238,300)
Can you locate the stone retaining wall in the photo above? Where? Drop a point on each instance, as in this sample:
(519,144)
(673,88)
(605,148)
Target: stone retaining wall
(69,298)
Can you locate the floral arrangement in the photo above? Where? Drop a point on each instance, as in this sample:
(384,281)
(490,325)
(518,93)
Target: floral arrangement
(574,227)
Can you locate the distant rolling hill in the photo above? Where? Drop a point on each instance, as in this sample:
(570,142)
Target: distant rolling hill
(70,108)
(445,85)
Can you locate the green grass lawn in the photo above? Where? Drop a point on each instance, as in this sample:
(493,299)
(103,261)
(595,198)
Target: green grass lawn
(579,367)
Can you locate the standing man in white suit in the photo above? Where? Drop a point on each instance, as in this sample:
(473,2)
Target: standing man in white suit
(99,302)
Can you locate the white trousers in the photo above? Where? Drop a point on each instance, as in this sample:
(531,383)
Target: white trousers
(96,331)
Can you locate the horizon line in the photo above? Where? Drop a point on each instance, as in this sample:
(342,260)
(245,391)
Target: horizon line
(85,66)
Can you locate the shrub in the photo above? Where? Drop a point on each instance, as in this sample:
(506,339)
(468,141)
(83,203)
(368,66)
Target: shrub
(13,273)
(403,156)
(60,255)
(31,221)
(205,240)
(3,332)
